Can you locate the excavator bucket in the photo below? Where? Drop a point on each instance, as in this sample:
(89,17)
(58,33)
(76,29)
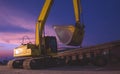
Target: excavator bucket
(70,35)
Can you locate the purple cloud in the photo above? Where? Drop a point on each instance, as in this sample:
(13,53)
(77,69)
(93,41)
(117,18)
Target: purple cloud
(15,17)
(13,29)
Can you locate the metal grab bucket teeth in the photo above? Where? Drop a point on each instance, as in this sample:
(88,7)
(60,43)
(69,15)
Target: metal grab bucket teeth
(70,35)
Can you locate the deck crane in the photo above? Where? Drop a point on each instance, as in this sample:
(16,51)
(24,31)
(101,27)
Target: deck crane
(43,52)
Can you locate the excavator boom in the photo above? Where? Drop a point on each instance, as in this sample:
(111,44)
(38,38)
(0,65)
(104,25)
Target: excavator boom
(41,21)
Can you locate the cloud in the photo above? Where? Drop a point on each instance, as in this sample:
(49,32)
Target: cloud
(16,18)
(14,24)
(17,38)
(6,49)
(13,28)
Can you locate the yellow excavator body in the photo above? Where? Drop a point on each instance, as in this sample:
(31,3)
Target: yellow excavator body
(69,35)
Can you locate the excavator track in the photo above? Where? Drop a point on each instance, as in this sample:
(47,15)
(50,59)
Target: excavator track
(15,63)
(34,63)
(41,63)
(26,64)
(10,63)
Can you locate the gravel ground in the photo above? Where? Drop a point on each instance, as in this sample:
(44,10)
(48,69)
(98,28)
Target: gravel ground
(114,69)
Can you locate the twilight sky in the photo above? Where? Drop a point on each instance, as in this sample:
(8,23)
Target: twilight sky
(18,19)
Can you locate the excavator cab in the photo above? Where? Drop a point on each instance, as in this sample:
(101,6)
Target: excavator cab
(50,45)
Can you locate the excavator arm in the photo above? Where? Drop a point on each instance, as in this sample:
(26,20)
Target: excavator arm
(76,5)
(77,11)
(41,21)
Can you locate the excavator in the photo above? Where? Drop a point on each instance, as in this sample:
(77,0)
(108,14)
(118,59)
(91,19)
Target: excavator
(44,52)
